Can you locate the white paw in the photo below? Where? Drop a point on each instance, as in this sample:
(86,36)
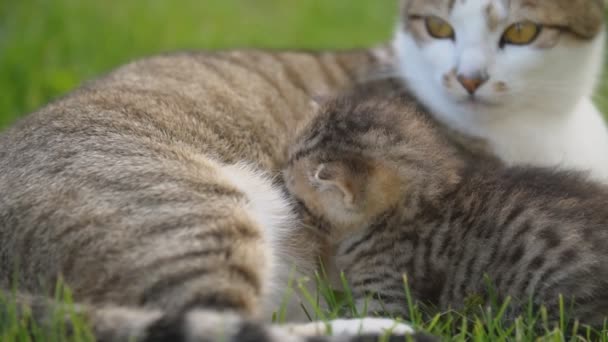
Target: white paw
(369,326)
(353,327)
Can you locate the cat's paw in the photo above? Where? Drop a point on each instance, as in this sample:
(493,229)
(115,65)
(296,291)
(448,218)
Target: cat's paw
(352,327)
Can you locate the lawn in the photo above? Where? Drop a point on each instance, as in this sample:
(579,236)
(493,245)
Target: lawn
(48,47)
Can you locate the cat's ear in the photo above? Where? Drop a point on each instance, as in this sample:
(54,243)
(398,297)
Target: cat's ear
(345,177)
(404,6)
(318,100)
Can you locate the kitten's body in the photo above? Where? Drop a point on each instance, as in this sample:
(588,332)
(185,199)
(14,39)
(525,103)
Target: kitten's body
(397,198)
(535,108)
(151,190)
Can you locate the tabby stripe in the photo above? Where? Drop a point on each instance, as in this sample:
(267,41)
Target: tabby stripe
(159,288)
(216,300)
(512,279)
(158,264)
(302,154)
(334,80)
(76,248)
(320,222)
(165,329)
(371,280)
(225,236)
(513,215)
(344,65)
(476,255)
(421,262)
(498,239)
(292,75)
(171,224)
(539,261)
(350,77)
(387,299)
(326,72)
(351,67)
(244,65)
(460,260)
(214,69)
(551,272)
(357,243)
(274,84)
(500,258)
(251,332)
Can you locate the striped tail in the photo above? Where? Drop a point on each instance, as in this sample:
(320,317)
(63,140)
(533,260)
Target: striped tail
(123,324)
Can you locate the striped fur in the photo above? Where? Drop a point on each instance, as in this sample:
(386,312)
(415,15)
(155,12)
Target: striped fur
(397,198)
(151,192)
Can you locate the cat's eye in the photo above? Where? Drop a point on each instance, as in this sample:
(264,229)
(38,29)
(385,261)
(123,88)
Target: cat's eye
(522,33)
(439,28)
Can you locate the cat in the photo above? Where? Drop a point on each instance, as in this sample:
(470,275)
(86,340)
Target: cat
(151,192)
(517,73)
(396,198)
(107,187)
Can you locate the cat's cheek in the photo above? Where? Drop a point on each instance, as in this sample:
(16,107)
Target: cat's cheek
(441,55)
(443,67)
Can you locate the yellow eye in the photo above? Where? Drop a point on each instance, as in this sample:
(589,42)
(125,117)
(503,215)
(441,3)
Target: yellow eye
(439,28)
(521,33)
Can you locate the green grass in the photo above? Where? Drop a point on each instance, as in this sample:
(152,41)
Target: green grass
(48,47)
(479,321)
(17,324)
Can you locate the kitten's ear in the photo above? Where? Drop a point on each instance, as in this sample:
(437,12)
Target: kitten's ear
(347,178)
(318,100)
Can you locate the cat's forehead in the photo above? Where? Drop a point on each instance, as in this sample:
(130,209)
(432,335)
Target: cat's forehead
(582,17)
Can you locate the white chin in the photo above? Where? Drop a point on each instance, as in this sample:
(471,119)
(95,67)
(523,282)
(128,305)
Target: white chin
(475,102)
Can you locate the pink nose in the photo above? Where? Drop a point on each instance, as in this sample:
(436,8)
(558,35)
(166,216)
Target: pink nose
(473,83)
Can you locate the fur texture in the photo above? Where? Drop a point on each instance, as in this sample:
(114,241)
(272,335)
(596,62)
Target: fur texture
(534,106)
(397,198)
(150,192)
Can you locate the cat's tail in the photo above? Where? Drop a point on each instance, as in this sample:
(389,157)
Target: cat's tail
(125,324)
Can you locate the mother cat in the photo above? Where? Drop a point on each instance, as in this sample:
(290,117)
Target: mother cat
(145,189)
(517,73)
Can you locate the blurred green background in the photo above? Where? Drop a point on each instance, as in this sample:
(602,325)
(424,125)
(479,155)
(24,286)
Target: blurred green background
(48,47)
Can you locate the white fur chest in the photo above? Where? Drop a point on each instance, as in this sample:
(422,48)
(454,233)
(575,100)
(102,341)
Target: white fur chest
(578,141)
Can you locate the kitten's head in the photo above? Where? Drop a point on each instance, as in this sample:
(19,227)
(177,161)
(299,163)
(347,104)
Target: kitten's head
(474,57)
(363,155)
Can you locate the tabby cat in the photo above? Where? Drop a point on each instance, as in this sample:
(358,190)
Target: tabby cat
(151,188)
(395,197)
(517,73)
(150,193)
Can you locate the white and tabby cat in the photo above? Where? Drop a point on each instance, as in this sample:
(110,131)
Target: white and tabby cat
(519,73)
(131,189)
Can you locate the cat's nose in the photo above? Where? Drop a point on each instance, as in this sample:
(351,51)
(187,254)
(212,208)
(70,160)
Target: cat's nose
(472,83)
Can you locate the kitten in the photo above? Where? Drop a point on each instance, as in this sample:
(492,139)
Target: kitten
(395,197)
(517,73)
(151,191)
